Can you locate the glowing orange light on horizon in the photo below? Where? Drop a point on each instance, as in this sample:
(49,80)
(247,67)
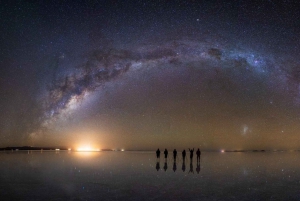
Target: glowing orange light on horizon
(87,149)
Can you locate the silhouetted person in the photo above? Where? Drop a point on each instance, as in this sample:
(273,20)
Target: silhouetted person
(174,166)
(183,154)
(198,152)
(157,166)
(191,167)
(166,153)
(191,153)
(157,153)
(165,166)
(174,154)
(198,167)
(183,166)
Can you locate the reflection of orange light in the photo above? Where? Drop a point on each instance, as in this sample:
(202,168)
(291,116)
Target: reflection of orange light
(87,154)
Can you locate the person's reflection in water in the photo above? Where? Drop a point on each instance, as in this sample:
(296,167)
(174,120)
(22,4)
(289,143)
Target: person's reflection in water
(183,155)
(174,166)
(191,166)
(157,166)
(166,166)
(183,166)
(198,166)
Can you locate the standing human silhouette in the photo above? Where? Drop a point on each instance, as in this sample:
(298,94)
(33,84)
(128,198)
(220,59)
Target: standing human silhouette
(183,155)
(174,154)
(191,153)
(198,152)
(157,153)
(166,154)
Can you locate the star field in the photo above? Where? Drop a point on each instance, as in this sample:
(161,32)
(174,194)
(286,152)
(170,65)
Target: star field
(141,75)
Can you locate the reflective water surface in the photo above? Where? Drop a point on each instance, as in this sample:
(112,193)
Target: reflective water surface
(140,176)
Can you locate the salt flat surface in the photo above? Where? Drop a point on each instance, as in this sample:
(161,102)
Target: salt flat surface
(134,176)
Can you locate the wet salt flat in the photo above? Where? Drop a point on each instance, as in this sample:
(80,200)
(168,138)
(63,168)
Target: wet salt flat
(134,176)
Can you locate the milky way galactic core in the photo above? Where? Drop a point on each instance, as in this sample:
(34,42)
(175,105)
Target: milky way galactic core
(142,75)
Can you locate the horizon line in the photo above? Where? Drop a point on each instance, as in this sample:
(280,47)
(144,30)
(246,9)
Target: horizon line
(64,148)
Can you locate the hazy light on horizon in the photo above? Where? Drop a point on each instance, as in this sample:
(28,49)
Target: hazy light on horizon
(87,149)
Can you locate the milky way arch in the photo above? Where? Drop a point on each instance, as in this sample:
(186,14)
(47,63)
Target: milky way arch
(105,65)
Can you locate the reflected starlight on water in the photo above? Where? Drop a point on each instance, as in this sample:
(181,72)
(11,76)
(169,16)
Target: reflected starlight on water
(139,175)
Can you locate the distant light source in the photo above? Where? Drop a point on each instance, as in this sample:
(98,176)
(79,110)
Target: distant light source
(57,149)
(87,149)
(69,149)
(122,150)
(222,150)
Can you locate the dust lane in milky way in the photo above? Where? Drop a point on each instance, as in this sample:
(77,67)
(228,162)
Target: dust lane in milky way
(240,79)
(142,75)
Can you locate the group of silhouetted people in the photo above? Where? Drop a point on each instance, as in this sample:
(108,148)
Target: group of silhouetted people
(165,167)
(198,153)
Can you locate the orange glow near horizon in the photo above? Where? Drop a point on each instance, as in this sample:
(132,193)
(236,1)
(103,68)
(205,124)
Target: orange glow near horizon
(87,149)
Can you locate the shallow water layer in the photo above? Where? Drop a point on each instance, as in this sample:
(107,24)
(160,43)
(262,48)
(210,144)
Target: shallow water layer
(140,176)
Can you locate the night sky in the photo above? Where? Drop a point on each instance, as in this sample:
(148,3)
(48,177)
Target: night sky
(138,75)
